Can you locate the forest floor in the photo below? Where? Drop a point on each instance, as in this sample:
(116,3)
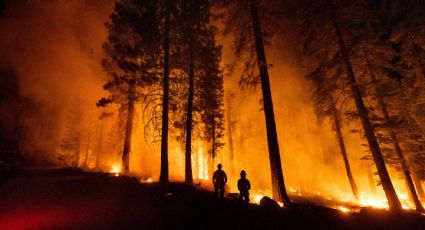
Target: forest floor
(72,199)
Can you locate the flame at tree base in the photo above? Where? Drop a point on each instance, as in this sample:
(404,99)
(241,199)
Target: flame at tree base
(341,203)
(115,170)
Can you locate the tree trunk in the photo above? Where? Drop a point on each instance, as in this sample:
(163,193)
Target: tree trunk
(343,150)
(213,147)
(188,155)
(393,201)
(278,184)
(371,180)
(418,184)
(229,134)
(99,145)
(399,152)
(128,130)
(163,178)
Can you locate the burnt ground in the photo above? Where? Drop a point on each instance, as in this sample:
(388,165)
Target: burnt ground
(71,199)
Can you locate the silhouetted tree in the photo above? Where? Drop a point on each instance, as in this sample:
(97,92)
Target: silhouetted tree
(132,58)
(325,104)
(211,93)
(244,21)
(325,25)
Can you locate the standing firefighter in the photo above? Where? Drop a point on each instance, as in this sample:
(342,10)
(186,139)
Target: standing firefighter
(219,180)
(244,186)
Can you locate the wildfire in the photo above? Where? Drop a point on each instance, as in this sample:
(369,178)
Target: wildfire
(379,202)
(116,169)
(257,198)
(344,209)
(147,180)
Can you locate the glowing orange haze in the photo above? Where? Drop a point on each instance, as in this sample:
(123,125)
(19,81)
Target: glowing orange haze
(56,48)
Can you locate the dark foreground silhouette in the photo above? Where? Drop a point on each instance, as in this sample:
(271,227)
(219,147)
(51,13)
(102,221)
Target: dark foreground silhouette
(66,199)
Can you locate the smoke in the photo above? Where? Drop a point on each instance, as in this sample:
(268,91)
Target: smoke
(55,48)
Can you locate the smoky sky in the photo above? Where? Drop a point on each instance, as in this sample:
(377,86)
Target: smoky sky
(55,46)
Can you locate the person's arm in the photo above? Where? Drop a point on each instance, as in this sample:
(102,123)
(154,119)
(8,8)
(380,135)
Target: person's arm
(249,185)
(225,177)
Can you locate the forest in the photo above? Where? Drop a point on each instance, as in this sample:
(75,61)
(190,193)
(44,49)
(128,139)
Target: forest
(321,102)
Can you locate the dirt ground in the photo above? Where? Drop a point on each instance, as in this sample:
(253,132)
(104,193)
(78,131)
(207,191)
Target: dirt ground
(71,199)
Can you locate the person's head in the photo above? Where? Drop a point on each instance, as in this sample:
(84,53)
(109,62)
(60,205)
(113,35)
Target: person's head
(219,166)
(243,174)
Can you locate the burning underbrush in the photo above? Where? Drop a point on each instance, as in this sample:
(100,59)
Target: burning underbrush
(344,202)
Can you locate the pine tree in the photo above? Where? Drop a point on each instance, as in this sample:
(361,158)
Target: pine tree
(324,87)
(340,29)
(132,59)
(196,36)
(211,93)
(244,21)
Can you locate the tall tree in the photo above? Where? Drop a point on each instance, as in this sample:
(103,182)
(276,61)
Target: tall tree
(332,38)
(163,178)
(393,136)
(230,128)
(389,190)
(132,59)
(337,123)
(244,21)
(194,27)
(211,92)
(324,87)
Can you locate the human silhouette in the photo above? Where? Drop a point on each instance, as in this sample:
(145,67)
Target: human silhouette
(219,180)
(244,186)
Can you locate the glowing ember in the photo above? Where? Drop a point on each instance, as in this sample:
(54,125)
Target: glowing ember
(257,198)
(344,209)
(148,180)
(116,169)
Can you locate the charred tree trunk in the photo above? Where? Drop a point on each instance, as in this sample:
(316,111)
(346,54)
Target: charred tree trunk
(213,147)
(128,130)
(163,178)
(229,134)
(343,149)
(99,150)
(278,184)
(418,184)
(188,155)
(399,152)
(393,201)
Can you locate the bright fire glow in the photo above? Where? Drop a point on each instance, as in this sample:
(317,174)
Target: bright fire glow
(148,180)
(202,165)
(344,209)
(257,198)
(116,169)
(379,202)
